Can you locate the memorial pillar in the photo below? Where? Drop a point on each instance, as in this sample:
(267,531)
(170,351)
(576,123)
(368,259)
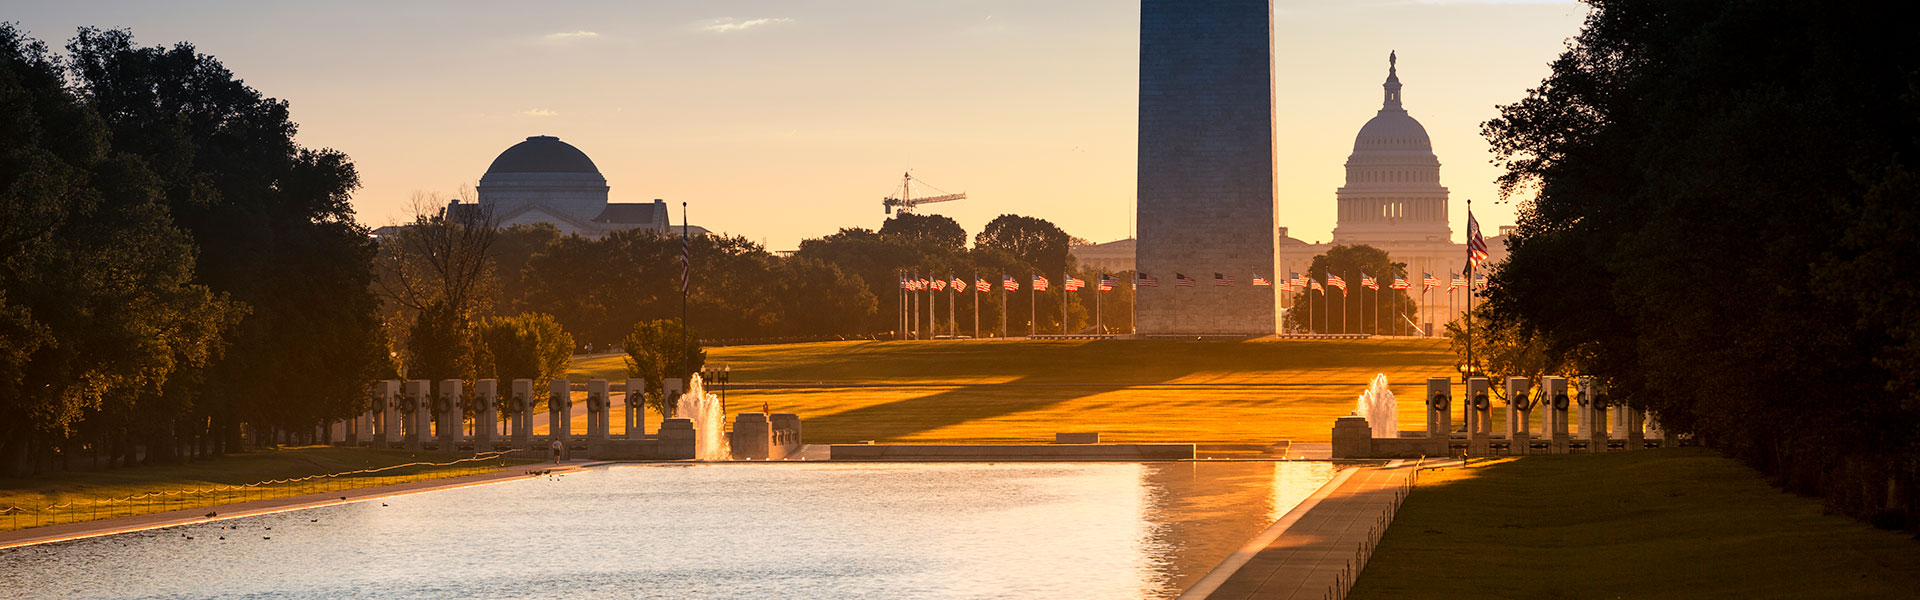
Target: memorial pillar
(523,413)
(486,407)
(599,411)
(1558,404)
(448,432)
(636,399)
(387,403)
(673,388)
(419,418)
(1439,414)
(1593,419)
(560,410)
(1479,412)
(1519,436)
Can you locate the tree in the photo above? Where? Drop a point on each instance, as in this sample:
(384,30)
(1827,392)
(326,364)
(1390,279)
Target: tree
(1358,309)
(1675,156)
(655,353)
(513,250)
(1034,241)
(99,313)
(525,346)
(269,221)
(818,299)
(938,231)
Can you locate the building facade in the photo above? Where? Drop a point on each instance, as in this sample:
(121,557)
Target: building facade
(545,180)
(1205,189)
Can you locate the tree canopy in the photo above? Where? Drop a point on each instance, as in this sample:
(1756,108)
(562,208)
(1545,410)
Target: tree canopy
(1722,225)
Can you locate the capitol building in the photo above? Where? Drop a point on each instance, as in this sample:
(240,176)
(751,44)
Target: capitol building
(1393,200)
(545,180)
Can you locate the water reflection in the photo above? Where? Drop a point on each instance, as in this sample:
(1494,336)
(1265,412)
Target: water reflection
(715,531)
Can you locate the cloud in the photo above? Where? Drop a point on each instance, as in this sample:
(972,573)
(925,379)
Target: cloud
(571,36)
(730,25)
(539,112)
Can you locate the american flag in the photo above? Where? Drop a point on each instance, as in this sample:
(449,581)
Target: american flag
(1182,280)
(1431,282)
(921,284)
(1007,283)
(981,285)
(1259,281)
(1369,282)
(1039,283)
(939,284)
(903,283)
(1107,282)
(1480,280)
(1336,281)
(1401,283)
(956,284)
(686,265)
(1476,245)
(1222,280)
(1316,285)
(1298,280)
(1075,283)
(1140,279)
(1455,281)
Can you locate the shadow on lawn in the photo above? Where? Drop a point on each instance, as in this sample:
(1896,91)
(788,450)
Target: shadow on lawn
(959,405)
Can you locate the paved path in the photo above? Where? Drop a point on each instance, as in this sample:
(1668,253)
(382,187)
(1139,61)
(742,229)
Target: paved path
(83,529)
(1312,548)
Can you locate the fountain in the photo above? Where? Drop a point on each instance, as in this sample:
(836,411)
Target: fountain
(1377,406)
(709,421)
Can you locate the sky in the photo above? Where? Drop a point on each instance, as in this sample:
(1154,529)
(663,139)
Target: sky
(782,120)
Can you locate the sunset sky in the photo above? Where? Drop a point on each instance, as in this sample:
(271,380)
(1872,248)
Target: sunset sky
(784,120)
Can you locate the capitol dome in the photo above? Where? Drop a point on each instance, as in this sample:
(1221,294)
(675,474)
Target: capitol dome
(1393,190)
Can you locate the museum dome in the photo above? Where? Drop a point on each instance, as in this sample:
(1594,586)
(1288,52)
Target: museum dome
(543,154)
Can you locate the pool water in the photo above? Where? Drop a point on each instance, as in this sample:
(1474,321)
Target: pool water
(818,530)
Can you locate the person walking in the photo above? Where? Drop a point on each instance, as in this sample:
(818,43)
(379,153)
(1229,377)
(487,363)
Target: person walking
(557,448)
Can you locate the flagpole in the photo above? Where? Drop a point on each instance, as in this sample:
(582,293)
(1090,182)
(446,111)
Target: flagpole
(1066,297)
(686,281)
(953,299)
(1469,274)
(1004,307)
(1099,323)
(976,305)
(1033,309)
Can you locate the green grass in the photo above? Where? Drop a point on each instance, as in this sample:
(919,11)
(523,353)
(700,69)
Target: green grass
(1681,523)
(1011,391)
(89,495)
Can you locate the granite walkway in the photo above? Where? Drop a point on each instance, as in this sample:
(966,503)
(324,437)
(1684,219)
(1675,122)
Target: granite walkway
(1313,552)
(85,529)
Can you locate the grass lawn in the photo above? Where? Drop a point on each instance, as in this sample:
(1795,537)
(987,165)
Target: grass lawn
(1682,523)
(88,491)
(1008,391)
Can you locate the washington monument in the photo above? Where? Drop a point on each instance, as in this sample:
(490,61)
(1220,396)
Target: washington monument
(1206,192)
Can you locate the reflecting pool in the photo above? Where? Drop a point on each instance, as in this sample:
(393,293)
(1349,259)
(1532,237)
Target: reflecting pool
(797,530)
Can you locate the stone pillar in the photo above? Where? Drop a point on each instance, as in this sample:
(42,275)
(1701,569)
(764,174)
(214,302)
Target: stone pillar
(560,410)
(1479,413)
(1519,434)
(786,435)
(752,437)
(387,404)
(448,432)
(1439,410)
(1593,420)
(599,411)
(1619,428)
(636,399)
(419,417)
(1352,438)
(677,439)
(1558,404)
(1636,429)
(486,415)
(523,413)
(672,388)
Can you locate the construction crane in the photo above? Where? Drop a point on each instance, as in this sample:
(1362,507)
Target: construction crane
(906,202)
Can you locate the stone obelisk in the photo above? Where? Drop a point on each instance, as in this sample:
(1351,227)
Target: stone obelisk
(1206,192)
